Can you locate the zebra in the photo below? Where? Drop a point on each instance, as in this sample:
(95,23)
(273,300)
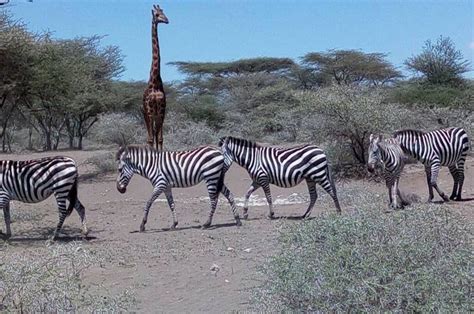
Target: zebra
(283,167)
(33,181)
(388,153)
(443,147)
(170,169)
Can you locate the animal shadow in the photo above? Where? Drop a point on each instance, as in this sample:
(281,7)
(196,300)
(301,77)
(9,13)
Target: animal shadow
(212,227)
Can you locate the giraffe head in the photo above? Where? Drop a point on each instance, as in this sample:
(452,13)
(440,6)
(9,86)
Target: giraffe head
(158,15)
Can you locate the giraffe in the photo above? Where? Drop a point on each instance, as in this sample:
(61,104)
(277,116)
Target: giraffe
(154,98)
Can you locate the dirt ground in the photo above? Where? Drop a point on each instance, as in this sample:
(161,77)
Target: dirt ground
(190,269)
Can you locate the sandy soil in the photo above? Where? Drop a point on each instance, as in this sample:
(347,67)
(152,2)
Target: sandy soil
(170,270)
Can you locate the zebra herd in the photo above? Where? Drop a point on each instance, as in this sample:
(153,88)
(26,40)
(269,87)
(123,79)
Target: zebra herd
(35,180)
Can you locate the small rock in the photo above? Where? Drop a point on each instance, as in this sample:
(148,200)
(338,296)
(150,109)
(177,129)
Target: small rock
(230,249)
(247,250)
(226,280)
(215,269)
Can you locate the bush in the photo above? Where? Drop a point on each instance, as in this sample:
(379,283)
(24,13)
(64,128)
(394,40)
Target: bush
(350,114)
(118,128)
(416,260)
(427,94)
(105,163)
(49,280)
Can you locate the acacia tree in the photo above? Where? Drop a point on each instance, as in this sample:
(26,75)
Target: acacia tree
(352,67)
(16,46)
(94,68)
(439,62)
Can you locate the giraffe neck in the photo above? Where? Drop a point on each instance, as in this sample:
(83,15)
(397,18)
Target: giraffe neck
(155,81)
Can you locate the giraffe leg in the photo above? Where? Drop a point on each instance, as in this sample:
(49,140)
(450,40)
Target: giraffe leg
(228,195)
(147,114)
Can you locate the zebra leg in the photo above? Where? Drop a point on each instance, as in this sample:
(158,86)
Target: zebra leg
(61,201)
(460,174)
(434,178)
(169,198)
(252,189)
(213,198)
(268,195)
(313,196)
(394,190)
(330,188)
(228,195)
(6,214)
(454,174)
(82,214)
(156,192)
(428,180)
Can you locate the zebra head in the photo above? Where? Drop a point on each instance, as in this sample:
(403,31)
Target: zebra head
(125,169)
(374,152)
(225,146)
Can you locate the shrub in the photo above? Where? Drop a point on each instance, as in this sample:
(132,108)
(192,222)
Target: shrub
(350,114)
(105,163)
(49,280)
(118,128)
(416,260)
(429,95)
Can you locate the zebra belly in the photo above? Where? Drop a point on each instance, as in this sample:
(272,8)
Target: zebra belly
(31,199)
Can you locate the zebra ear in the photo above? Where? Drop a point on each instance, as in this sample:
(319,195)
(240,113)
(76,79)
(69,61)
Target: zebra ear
(221,141)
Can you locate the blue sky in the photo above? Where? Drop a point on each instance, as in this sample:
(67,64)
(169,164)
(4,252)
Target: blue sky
(223,30)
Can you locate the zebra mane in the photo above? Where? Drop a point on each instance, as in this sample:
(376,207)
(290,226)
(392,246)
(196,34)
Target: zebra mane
(129,148)
(408,131)
(241,141)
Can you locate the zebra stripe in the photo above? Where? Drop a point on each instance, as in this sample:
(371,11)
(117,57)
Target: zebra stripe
(167,170)
(33,181)
(444,147)
(283,167)
(388,153)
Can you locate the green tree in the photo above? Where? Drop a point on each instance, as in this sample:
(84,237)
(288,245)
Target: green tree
(439,62)
(352,67)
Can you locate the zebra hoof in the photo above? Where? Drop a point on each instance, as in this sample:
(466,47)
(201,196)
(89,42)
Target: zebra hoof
(206,225)
(238,223)
(245,214)
(142,228)
(271,216)
(173,226)
(445,198)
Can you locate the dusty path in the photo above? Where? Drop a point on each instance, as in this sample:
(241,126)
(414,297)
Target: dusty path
(170,270)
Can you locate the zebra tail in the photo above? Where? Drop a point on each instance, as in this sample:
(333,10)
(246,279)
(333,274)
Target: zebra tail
(72,198)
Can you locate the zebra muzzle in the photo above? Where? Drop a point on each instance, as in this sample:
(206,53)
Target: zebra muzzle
(121,188)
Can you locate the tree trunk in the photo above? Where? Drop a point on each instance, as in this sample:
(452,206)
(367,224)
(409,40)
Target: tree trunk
(79,142)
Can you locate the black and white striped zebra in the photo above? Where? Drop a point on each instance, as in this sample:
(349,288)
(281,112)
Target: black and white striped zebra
(33,181)
(444,147)
(389,154)
(181,169)
(283,167)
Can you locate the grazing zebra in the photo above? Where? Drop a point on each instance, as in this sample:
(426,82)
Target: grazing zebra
(444,147)
(167,170)
(283,167)
(33,181)
(388,153)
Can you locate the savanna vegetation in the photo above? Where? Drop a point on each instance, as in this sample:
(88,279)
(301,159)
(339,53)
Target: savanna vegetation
(58,93)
